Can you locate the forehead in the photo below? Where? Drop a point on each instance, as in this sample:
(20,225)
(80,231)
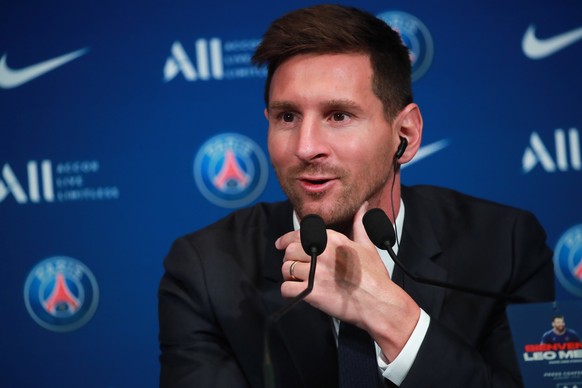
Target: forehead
(327,60)
(331,74)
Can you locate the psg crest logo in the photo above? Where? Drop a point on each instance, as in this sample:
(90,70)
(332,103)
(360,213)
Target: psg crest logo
(61,294)
(568,260)
(230,170)
(415,36)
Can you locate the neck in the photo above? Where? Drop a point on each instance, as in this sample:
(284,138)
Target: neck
(389,199)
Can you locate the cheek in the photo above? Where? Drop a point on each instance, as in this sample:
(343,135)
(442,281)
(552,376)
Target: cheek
(367,143)
(276,147)
(364,156)
(370,166)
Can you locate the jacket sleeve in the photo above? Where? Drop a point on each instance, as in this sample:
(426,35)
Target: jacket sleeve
(194,353)
(447,359)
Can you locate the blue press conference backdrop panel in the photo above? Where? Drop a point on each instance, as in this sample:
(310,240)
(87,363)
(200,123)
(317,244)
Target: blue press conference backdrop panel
(115,118)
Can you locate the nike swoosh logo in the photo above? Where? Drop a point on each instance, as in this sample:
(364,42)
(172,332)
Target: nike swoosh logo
(12,78)
(426,151)
(535,48)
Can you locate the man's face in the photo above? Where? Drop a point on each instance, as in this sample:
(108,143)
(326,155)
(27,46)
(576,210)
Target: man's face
(559,324)
(329,141)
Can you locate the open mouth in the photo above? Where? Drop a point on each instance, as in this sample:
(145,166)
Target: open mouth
(316,181)
(316,185)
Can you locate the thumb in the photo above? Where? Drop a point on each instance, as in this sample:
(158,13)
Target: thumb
(360,235)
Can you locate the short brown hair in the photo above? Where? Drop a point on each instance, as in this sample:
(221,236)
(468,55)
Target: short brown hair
(335,29)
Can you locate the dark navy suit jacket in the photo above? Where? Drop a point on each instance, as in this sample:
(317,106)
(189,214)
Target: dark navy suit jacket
(223,281)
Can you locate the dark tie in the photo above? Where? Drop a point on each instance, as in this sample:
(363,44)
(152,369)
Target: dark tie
(358,367)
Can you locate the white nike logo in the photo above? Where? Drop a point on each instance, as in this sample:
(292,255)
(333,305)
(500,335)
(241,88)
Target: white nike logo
(426,151)
(535,48)
(11,78)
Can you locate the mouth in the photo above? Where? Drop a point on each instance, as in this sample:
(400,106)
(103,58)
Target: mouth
(316,184)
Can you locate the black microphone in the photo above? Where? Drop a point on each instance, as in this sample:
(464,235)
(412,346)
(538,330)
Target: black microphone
(313,240)
(313,235)
(381,233)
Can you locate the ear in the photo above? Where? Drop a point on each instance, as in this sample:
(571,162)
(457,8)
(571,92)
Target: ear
(266,112)
(408,124)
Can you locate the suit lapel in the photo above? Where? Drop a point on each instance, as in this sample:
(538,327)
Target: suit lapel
(419,247)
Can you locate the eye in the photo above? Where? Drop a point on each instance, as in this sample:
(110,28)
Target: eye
(288,117)
(339,116)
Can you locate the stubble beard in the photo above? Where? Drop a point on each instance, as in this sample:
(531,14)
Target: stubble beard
(338,211)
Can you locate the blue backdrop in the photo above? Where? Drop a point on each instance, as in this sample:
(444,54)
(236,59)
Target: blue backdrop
(117,117)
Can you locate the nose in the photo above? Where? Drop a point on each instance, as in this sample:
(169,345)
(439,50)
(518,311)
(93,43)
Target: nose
(311,141)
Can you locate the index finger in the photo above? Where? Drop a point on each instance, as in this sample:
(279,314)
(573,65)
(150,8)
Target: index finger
(286,239)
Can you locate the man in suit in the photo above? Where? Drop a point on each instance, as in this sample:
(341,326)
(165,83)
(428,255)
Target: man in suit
(559,334)
(341,122)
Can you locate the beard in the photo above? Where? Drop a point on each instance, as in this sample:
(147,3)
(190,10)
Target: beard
(337,208)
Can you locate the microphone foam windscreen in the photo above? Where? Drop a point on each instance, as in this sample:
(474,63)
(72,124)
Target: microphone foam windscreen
(379,228)
(313,234)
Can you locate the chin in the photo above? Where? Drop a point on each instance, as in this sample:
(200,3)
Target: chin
(340,220)
(332,210)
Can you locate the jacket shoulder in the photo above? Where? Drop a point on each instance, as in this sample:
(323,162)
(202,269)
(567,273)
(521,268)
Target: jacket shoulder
(454,203)
(261,216)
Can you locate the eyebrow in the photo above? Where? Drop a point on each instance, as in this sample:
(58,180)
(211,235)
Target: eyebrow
(282,105)
(339,104)
(342,104)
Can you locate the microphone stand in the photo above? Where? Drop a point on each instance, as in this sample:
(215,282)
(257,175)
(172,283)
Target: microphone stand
(313,242)
(268,370)
(277,315)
